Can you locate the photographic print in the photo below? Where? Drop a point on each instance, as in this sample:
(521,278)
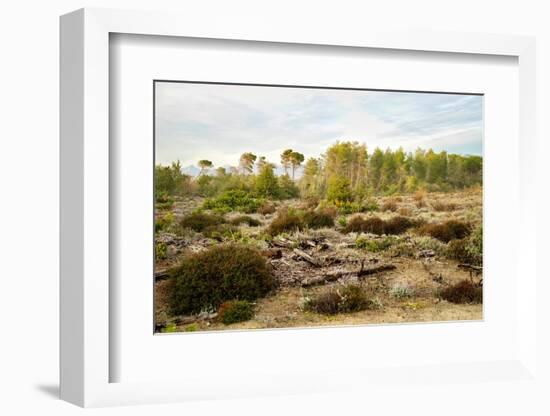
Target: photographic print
(286,206)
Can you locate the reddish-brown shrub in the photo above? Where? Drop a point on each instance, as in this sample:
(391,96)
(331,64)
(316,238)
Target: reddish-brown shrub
(446,231)
(464,291)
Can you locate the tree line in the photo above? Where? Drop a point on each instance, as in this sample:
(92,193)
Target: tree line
(345,172)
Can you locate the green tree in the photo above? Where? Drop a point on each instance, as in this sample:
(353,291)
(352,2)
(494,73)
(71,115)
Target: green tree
(246,162)
(287,187)
(339,189)
(286,159)
(296,160)
(266,183)
(204,164)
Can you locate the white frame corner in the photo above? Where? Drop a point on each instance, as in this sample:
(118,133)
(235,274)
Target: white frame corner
(84,176)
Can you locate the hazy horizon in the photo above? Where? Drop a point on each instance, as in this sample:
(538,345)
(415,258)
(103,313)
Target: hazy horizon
(220,122)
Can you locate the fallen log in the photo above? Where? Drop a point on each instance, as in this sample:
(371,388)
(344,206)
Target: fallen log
(321,280)
(366,271)
(281,242)
(161,274)
(311,260)
(470,267)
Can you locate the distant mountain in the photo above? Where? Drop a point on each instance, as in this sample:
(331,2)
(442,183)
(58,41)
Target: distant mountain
(191,170)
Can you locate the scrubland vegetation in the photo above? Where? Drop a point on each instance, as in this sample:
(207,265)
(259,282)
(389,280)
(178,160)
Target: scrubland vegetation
(351,237)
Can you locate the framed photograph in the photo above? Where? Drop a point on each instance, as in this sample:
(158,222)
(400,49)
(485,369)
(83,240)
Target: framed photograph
(238,206)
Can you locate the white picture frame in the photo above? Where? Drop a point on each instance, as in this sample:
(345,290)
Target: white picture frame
(85,220)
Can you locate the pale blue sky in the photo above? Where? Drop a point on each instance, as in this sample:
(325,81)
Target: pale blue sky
(220,122)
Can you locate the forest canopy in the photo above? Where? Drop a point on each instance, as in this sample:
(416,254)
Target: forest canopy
(347,172)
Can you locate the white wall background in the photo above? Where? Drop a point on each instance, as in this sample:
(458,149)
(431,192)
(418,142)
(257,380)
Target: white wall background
(29,185)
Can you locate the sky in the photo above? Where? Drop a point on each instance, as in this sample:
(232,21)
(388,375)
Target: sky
(220,122)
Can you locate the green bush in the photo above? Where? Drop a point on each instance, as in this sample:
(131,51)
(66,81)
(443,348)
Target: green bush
(162,223)
(220,232)
(160,251)
(353,299)
(446,231)
(234,311)
(286,220)
(245,219)
(369,205)
(339,189)
(374,245)
(287,188)
(199,221)
(224,272)
(234,200)
(464,291)
(475,246)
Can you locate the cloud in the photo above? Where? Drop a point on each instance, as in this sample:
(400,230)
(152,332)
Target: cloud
(219,122)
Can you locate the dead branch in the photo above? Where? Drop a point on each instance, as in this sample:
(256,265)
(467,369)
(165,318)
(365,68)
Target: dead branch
(311,260)
(366,271)
(161,274)
(321,280)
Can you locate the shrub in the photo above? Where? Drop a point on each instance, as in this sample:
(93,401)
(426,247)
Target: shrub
(419,195)
(375,225)
(326,303)
(398,225)
(223,272)
(369,205)
(350,298)
(347,207)
(429,243)
(402,290)
(353,299)
(164,222)
(360,224)
(267,208)
(234,311)
(198,221)
(163,201)
(389,205)
(169,328)
(220,232)
(405,211)
(447,231)
(373,245)
(443,206)
(234,200)
(456,250)
(464,291)
(475,246)
(160,250)
(310,202)
(286,220)
(245,219)
(342,221)
(194,327)
(320,218)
